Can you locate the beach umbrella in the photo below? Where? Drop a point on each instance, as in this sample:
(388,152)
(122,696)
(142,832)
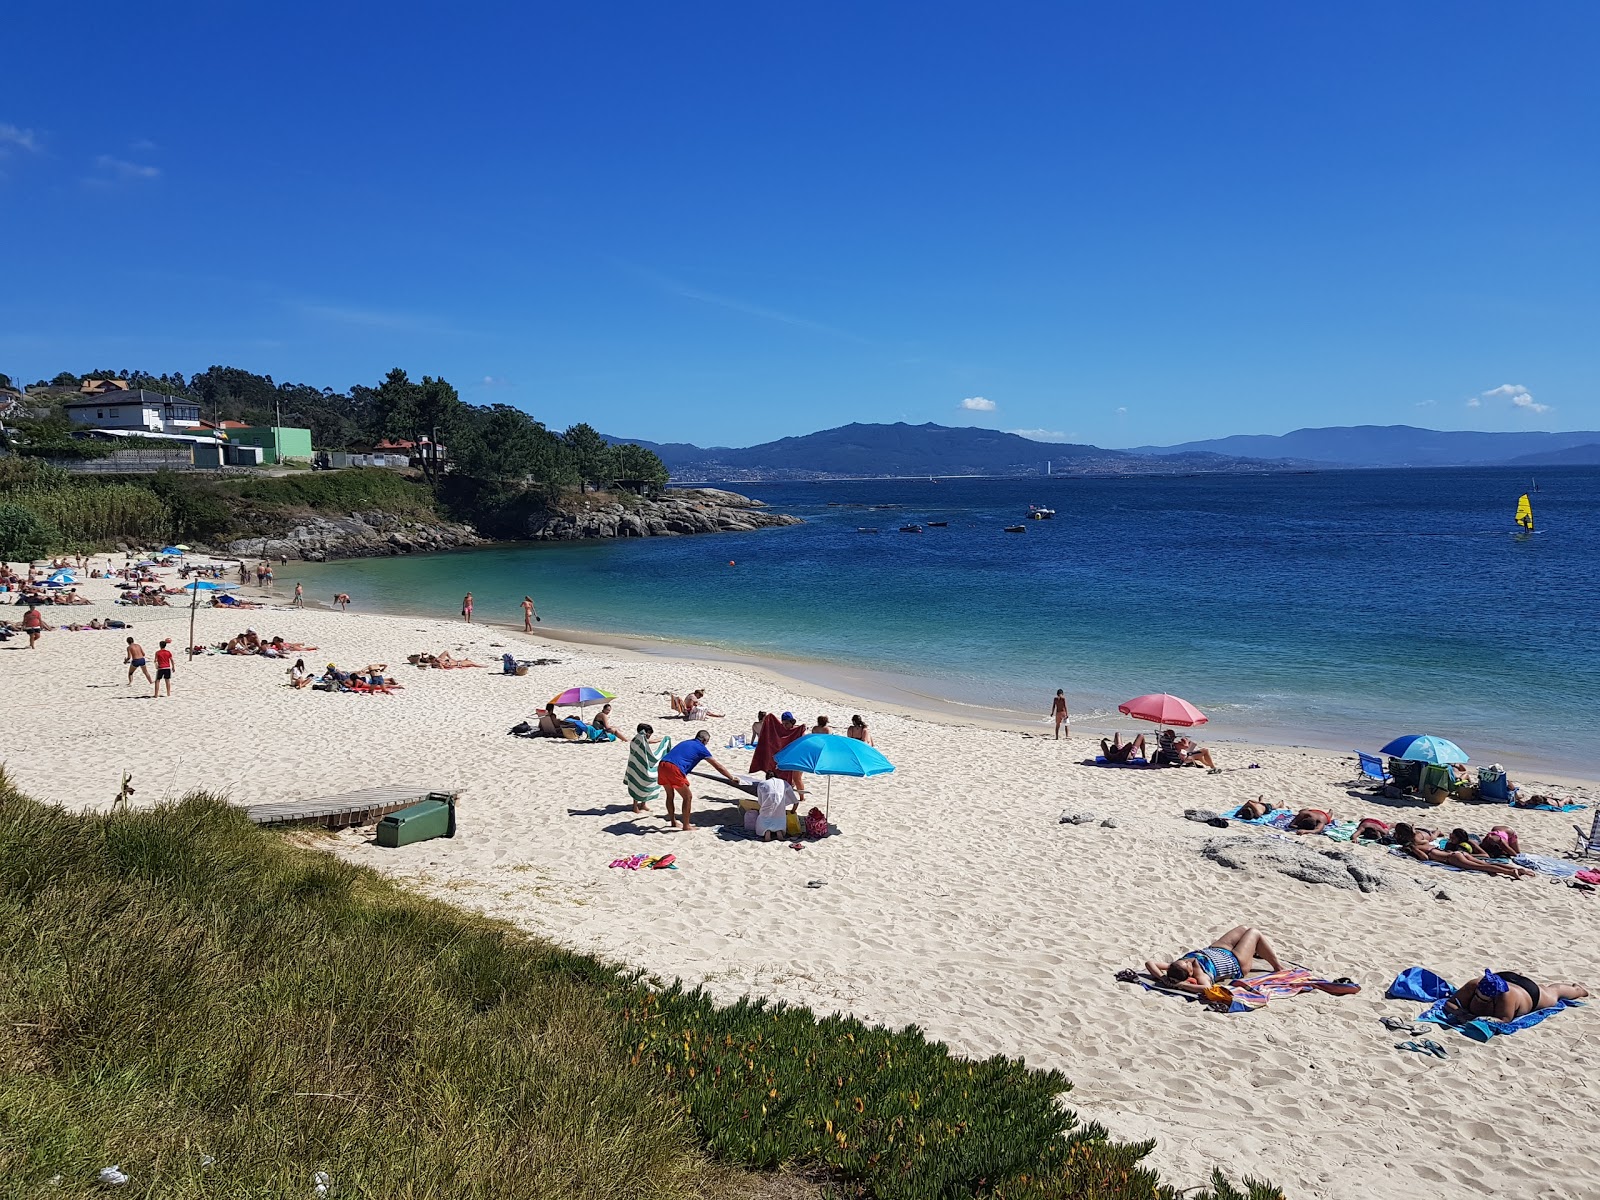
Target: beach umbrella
(581,696)
(832,754)
(1424,748)
(173,549)
(61,578)
(1163,710)
(194,588)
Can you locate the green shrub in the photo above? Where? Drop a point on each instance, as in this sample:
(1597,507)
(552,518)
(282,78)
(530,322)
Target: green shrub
(354,490)
(23,536)
(176,983)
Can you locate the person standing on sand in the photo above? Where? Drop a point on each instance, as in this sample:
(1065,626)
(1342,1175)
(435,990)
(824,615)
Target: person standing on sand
(1058,710)
(163,668)
(466,607)
(299,596)
(135,661)
(528,615)
(672,772)
(32,622)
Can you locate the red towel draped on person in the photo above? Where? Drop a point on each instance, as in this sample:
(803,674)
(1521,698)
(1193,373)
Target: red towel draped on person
(773,738)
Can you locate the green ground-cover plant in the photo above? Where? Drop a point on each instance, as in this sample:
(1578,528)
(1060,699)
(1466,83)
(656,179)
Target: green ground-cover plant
(223,1012)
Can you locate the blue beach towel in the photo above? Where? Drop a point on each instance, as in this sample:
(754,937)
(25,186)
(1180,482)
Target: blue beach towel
(1100,761)
(1481,1029)
(1278,818)
(1553,808)
(1418,983)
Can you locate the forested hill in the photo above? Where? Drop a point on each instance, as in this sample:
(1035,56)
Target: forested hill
(495,444)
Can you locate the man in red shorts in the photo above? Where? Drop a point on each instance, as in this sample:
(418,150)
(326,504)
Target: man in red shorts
(673,772)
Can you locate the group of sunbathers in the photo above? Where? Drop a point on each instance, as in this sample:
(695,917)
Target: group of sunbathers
(1500,995)
(1486,855)
(443,661)
(1172,751)
(249,642)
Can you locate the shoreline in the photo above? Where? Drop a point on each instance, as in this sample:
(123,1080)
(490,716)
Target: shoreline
(870,687)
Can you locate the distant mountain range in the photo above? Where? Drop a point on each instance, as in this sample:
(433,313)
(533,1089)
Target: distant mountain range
(1396,446)
(907,450)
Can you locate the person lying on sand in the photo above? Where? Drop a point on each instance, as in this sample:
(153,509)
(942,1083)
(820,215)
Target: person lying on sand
(1419,844)
(1119,751)
(1230,956)
(1370,829)
(444,660)
(1506,995)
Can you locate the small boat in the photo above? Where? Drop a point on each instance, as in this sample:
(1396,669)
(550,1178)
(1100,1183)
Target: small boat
(864,529)
(1037,512)
(1016,529)
(911,529)
(938,524)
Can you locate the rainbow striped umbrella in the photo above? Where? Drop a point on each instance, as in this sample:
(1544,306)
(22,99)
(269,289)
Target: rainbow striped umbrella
(581,696)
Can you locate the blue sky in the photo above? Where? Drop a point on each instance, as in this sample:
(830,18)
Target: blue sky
(725,223)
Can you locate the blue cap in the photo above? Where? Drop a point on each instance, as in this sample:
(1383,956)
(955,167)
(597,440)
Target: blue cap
(788,716)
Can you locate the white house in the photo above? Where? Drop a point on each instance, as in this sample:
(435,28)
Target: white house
(135,408)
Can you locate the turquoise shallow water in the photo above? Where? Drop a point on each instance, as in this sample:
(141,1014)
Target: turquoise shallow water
(1337,608)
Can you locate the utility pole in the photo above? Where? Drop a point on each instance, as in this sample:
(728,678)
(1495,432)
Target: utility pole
(277,440)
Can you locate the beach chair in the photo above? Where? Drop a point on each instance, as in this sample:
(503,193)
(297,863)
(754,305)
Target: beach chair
(1405,774)
(1588,843)
(1372,767)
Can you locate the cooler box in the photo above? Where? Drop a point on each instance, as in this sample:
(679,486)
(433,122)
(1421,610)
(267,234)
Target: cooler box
(431,818)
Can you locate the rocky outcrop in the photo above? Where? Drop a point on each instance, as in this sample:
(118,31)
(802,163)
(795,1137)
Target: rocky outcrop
(682,510)
(359,535)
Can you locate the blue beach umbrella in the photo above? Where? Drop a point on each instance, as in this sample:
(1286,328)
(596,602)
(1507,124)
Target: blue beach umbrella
(62,578)
(172,550)
(831,754)
(1425,748)
(208,585)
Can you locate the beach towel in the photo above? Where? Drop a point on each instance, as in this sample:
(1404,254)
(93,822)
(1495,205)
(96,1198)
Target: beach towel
(1567,807)
(1558,868)
(640,776)
(1481,1029)
(1099,760)
(1278,818)
(774,737)
(776,795)
(1341,831)
(1250,993)
(1418,983)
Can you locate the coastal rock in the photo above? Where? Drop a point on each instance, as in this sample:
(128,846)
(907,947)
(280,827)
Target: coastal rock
(1077,818)
(359,535)
(680,511)
(1335,868)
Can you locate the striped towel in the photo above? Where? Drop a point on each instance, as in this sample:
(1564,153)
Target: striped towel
(640,776)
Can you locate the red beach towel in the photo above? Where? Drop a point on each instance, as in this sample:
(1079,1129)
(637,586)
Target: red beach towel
(773,738)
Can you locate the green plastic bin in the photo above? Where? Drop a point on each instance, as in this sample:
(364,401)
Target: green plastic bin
(431,818)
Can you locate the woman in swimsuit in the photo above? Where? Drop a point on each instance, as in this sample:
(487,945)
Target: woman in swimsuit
(1230,956)
(1419,844)
(1506,995)
(1311,820)
(1254,810)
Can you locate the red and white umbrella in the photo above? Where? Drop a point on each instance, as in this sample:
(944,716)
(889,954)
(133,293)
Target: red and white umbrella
(1163,710)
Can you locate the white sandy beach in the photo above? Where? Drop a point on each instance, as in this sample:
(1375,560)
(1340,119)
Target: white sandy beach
(951,895)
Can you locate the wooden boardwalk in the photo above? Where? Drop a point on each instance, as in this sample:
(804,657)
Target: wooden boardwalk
(339,812)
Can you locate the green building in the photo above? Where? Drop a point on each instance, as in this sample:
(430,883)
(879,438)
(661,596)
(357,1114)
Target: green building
(293,445)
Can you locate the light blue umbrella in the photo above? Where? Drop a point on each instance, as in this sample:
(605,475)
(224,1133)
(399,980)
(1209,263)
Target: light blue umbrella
(1425,748)
(208,585)
(172,550)
(62,578)
(831,754)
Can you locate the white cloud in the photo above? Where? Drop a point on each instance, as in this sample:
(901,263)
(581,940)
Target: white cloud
(978,404)
(1519,396)
(1474,402)
(1042,435)
(121,168)
(1122,408)
(1426,403)
(26,139)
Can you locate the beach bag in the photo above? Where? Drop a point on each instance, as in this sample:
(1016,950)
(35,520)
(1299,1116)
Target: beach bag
(816,824)
(793,828)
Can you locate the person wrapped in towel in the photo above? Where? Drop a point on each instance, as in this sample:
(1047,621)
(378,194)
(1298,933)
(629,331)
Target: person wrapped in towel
(643,759)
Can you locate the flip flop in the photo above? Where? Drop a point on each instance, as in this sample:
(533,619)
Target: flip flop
(1433,1048)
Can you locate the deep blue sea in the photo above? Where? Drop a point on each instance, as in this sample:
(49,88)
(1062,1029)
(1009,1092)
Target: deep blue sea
(1338,608)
